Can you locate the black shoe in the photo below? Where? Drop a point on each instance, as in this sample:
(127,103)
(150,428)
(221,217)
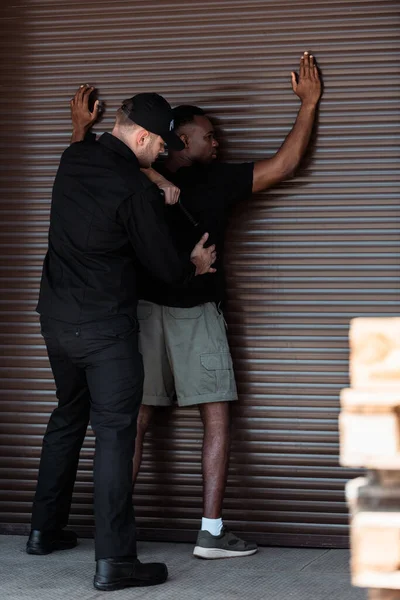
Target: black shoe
(119,573)
(46,542)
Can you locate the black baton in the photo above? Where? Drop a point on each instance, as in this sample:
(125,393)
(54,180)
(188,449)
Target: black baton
(185,211)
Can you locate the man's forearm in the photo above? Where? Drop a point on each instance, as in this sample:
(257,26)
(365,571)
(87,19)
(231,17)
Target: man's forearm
(293,148)
(281,166)
(154,176)
(170,191)
(78,135)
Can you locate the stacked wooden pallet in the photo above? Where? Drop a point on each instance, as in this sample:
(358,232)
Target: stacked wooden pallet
(370,437)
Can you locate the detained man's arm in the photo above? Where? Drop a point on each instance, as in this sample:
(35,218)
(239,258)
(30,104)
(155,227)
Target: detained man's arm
(82,118)
(307,87)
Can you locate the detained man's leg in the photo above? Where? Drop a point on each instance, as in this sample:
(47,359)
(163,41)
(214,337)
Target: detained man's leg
(215,459)
(158,386)
(215,540)
(145,417)
(198,351)
(60,454)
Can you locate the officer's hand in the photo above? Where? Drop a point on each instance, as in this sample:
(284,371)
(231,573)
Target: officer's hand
(307,86)
(170,191)
(202,257)
(82,117)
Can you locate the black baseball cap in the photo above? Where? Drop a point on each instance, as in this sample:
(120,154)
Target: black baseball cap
(153,112)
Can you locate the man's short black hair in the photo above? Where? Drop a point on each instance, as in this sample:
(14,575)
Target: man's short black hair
(185,113)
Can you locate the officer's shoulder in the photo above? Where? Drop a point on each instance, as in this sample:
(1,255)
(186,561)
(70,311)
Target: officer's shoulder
(81,148)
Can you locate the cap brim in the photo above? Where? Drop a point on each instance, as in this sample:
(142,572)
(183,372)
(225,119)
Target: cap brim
(173,141)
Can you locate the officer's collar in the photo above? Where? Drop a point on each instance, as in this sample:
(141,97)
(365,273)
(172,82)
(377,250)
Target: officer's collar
(116,145)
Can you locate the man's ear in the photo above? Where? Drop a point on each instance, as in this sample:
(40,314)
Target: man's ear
(142,137)
(185,139)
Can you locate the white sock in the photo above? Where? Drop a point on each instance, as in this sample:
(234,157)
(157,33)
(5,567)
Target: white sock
(214,526)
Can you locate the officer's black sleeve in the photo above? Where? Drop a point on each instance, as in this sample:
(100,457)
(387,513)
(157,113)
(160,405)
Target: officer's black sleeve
(142,217)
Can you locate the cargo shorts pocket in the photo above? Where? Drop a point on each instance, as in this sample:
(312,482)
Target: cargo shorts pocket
(186,313)
(217,373)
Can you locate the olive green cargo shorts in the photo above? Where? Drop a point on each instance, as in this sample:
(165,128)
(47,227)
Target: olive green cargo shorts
(185,351)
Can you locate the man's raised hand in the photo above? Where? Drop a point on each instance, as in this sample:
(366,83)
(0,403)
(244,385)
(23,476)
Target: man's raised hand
(307,85)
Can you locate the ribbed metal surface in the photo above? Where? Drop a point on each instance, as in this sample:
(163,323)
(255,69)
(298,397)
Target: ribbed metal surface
(303,259)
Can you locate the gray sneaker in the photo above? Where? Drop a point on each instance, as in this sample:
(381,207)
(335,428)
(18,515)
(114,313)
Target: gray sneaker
(224,545)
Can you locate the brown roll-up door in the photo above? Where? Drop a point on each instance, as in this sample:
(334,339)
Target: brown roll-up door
(302,259)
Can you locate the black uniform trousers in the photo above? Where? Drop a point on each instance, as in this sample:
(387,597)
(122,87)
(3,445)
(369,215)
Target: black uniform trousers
(98,371)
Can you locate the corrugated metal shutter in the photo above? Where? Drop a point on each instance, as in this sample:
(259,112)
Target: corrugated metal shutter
(303,259)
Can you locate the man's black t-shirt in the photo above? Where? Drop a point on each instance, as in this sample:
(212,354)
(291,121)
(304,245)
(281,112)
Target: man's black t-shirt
(208,192)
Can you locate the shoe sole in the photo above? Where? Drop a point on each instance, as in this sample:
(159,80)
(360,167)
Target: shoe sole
(214,553)
(44,551)
(121,584)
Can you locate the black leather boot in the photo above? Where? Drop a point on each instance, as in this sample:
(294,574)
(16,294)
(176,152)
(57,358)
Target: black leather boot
(119,573)
(46,542)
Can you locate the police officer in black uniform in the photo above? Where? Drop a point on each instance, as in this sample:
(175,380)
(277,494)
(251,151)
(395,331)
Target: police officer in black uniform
(106,219)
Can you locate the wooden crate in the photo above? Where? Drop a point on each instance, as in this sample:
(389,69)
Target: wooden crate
(369,426)
(384,595)
(373,493)
(375,353)
(375,549)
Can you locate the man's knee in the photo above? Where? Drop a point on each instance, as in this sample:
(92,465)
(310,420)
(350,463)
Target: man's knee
(216,416)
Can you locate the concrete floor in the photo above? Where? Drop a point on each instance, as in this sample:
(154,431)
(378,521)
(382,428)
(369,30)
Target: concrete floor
(271,574)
